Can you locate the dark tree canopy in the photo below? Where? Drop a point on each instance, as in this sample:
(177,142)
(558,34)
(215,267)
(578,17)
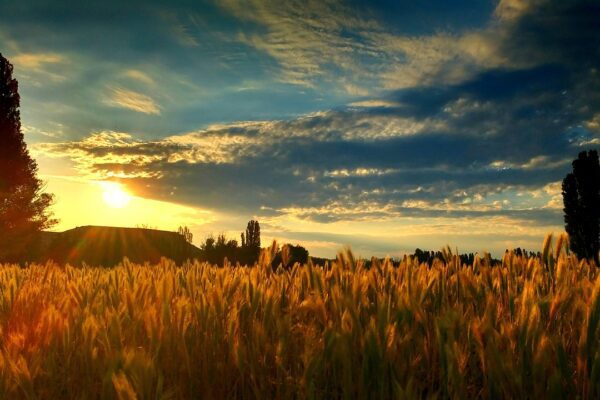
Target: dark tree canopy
(23,205)
(581,199)
(290,255)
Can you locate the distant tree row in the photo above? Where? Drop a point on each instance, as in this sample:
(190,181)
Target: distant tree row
(427,257)
(216,250)
(525,253)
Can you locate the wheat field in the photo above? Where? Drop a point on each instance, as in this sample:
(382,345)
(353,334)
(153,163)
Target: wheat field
(527,328)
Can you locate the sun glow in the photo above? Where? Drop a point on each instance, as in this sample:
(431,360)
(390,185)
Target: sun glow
(114,195)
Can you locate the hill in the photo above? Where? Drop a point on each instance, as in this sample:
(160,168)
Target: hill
(107,246)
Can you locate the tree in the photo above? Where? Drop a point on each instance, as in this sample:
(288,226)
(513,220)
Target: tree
(23,204)
(186,233)
(290,255)
(581,199)
(250,250)
(252,237)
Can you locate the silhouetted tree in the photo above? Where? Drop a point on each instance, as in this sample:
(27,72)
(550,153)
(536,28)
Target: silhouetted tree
(290,255)
(581,199)
(252,234)
(186,233)
(427,257)
(209,244)
(467,259)
(250,250)
(216,250)
(23,205)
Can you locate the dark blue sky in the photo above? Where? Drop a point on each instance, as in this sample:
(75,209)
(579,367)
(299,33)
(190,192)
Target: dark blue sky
(386,125)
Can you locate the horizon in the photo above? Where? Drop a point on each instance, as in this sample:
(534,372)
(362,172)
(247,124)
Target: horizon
(385,127)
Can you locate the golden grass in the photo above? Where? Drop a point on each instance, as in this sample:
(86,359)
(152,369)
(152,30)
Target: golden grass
(525,329)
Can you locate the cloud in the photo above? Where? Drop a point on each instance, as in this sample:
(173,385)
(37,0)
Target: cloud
(421,157)
(39,66)
(124,98)
(231,143)
(374,103)
(345,173)
(537,162)
(483,147)
(140,76)
(550,31)
(110,154)
(307,38)
(429,60)
(328,42)
(513,9)
(179,29)
(35,61)
(323,42)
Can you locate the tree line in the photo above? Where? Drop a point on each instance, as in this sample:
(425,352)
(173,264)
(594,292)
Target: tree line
(217,250)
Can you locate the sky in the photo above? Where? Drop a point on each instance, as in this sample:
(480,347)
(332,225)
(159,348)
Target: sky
(381,125)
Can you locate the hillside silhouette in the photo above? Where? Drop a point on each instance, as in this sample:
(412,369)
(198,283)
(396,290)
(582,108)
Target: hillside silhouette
(107,246)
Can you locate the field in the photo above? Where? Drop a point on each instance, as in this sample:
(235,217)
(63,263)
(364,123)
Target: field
(527,328)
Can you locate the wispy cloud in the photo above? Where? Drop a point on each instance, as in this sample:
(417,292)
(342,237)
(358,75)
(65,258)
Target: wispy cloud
(331,42)
(129,99)
(433,59)
(39,67)
(139,76)
(179,29)
(374,103)
(306,38)
(324,42)
(36,60)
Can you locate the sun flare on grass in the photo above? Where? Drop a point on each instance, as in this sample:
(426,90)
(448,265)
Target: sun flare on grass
(114,195)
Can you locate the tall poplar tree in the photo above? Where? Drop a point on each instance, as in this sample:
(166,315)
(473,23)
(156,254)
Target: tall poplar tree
(252,238)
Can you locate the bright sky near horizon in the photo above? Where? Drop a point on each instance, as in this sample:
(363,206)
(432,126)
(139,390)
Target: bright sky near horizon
(383,125)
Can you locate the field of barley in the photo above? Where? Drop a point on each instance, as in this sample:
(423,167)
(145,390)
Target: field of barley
(527,328)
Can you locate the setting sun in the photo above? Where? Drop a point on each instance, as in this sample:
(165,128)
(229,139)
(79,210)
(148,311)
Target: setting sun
(114,195)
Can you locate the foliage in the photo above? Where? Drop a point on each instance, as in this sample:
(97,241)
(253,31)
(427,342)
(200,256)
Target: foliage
(216,250)
(252,237)
(428,257)
(526,328)
(290,255)
(23,205)
(581,198)
(186,233)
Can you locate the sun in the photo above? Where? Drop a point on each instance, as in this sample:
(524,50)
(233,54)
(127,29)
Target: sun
(114,195)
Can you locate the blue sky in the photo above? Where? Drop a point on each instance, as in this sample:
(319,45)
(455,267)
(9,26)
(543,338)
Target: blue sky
(384,125)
